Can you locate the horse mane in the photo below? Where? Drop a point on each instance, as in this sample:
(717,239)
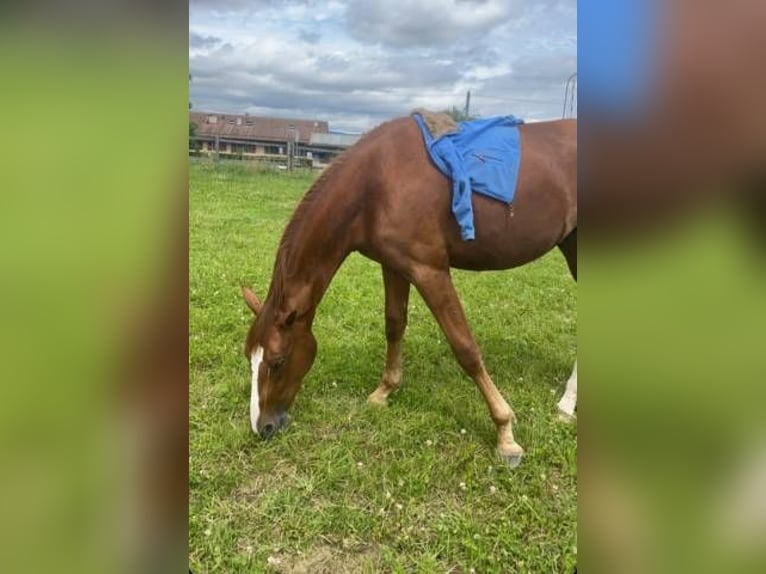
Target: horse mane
(438,123)
(281,271)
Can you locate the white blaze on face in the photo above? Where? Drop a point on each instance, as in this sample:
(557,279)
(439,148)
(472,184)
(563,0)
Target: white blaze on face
(255,409)
(568,402)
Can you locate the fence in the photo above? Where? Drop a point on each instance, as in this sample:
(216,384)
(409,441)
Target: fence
(287,155)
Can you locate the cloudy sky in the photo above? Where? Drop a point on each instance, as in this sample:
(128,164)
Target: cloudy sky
(357,63)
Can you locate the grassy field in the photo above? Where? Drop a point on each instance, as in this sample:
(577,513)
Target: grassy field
(347,488)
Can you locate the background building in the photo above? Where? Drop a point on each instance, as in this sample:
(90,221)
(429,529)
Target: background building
(286,142)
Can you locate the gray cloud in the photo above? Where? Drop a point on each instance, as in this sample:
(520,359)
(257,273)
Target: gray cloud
(333,82)
(233,5)
(309,36)
(419,54)
(200,41)
(426,22)
(541,72)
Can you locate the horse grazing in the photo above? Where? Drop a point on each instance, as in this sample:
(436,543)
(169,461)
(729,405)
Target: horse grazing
(384,198)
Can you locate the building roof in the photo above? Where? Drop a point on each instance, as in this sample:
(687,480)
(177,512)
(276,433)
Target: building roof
(255,127)
(334,139)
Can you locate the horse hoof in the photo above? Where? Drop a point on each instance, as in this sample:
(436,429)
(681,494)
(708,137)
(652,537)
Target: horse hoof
(567,418)
(375,399)
(512,460)
(512,455)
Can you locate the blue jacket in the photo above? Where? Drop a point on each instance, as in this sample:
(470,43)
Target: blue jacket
(483,155)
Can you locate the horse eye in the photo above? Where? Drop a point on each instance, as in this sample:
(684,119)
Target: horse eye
(277,364)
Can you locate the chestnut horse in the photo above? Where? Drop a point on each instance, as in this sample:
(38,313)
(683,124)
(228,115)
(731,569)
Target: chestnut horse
(384,198)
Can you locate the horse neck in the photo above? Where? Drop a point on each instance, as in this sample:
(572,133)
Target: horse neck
(317,240)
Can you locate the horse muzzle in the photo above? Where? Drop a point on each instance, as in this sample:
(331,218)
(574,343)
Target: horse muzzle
(270,427)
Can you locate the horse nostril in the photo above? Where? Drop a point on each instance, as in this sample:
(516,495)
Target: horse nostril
(268,430)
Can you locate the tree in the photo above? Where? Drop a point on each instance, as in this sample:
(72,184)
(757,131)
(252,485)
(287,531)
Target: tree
(459,115)
(193,143)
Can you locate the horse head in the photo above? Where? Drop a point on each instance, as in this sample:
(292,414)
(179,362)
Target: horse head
(281,350)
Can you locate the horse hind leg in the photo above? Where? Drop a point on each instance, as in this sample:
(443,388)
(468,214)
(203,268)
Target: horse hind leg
(568,402)
(568,248)
(439,294)
(397,294)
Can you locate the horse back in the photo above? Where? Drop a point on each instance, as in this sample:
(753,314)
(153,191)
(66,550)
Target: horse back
(407,201)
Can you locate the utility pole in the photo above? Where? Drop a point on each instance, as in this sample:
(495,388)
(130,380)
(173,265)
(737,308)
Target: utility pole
(467,103)
(570,96)
(292,143)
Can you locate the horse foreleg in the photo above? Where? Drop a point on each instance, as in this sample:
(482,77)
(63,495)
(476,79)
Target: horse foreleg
(568,402)
(439,293)
(397,294)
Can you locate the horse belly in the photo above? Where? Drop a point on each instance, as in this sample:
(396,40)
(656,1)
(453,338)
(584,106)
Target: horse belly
(510,236)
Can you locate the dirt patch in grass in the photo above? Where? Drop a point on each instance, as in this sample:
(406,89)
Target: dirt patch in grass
(283,473)
(328,560)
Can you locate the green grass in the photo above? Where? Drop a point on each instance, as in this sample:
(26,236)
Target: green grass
(415,487)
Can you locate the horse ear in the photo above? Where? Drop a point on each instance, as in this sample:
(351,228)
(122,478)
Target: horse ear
(251,300)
